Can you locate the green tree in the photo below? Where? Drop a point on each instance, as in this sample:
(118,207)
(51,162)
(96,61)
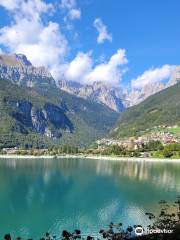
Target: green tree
(167,153)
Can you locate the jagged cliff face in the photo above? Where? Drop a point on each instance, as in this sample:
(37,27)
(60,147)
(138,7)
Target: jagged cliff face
(48,111)
(116,98)
(98,92)
(136,96)
(47,115)
(48,120)
(175,77)
(113,97)
(20,71)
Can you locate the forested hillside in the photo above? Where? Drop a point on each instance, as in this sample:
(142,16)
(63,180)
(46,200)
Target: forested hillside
(163,108)
(45,116)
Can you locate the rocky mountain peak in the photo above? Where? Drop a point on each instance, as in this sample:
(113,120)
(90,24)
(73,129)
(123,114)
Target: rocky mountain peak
(14,60)
(136,96)
(175,77)
(23,59)
(117,98)
(18,69)
(98,91)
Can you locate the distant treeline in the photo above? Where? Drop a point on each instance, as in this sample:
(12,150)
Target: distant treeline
(151,149)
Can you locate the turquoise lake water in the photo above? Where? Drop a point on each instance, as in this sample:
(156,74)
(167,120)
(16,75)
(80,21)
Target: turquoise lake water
(51,195)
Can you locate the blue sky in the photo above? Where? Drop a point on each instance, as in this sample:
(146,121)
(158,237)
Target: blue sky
(147,31)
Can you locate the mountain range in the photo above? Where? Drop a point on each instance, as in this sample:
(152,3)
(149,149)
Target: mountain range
(98,92)
(34,111)
(160,109)
(38,111)
(20,71)
(116,98)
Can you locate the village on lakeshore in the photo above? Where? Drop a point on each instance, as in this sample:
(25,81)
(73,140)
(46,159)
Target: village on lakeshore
(158,139)
(162,135)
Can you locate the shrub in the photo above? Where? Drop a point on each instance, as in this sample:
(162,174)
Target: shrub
(167,153)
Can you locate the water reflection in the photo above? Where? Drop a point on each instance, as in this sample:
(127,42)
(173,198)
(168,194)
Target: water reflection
(37,195)
(162,174)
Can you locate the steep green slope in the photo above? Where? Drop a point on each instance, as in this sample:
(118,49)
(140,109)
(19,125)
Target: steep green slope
(44,116)
(162,108)
(95,115)
(92,120)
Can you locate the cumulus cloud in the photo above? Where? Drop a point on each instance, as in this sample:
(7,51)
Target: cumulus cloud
(74,14)
(102,30)
(43,44)
(109,72)
(82,69)
(153,75)
(79,67)
(70,6)
(30,8)
(10,4)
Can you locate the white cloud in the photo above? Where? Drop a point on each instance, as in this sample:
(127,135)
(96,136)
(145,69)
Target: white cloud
(102,30)
(81,69)
(74,14)
(70,7)
(152,75)
(68,4)
(30,8)
(43,44)
(109,72)
(78,68)
(10,4)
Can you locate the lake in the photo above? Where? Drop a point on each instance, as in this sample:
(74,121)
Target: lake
(39,195)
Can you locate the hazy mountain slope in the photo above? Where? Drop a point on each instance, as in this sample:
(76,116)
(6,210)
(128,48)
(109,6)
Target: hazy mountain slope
(117,98)
(98,92)
(163,108)
(136,96)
